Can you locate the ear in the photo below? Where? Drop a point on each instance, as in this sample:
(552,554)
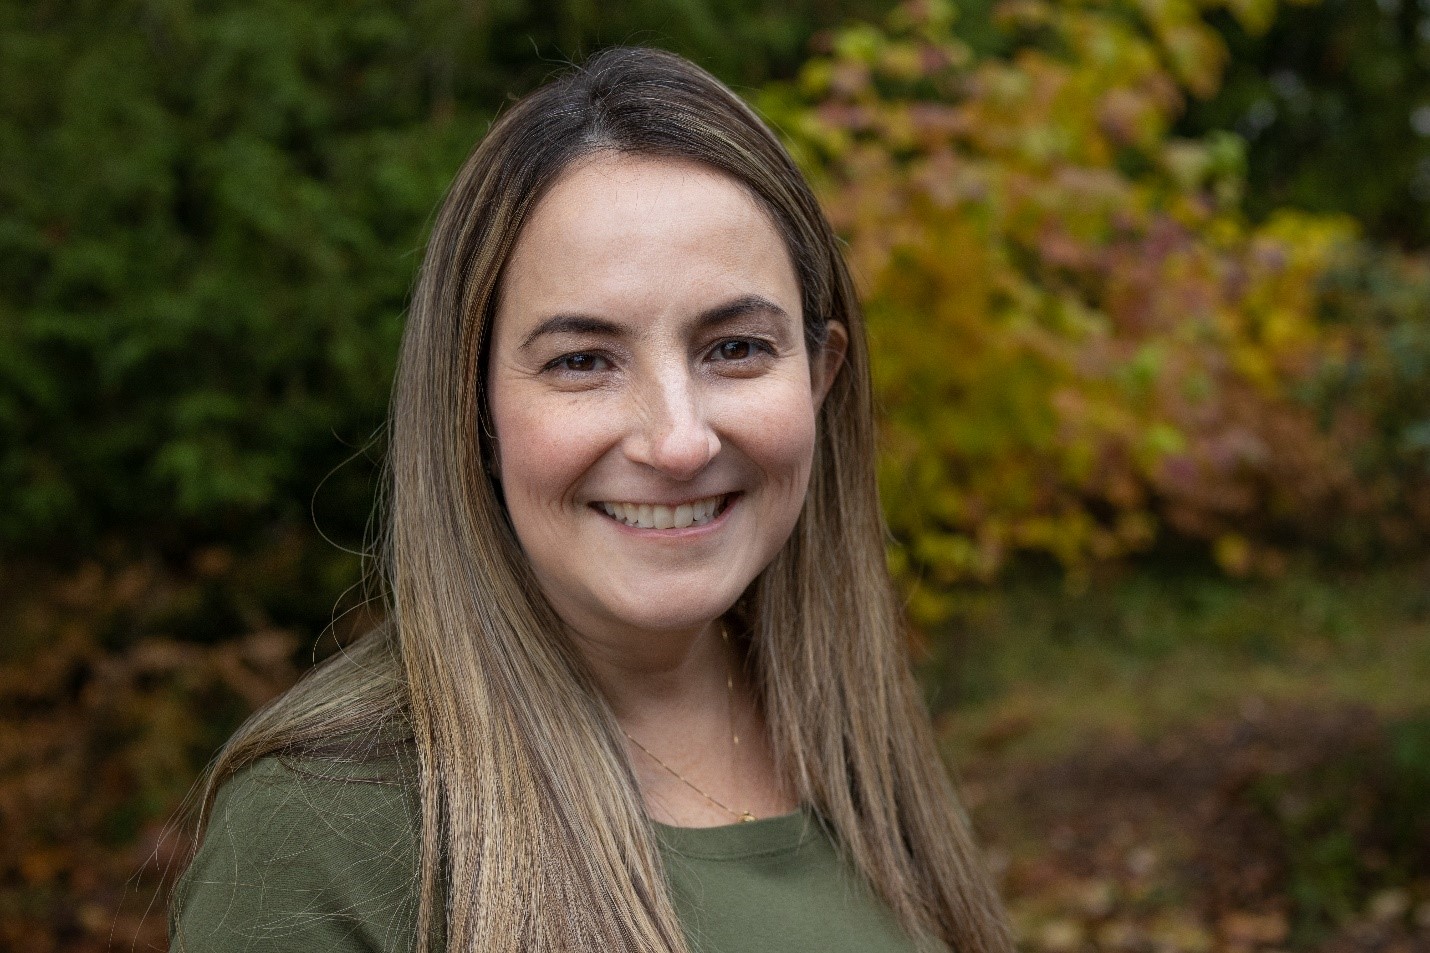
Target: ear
(825,365)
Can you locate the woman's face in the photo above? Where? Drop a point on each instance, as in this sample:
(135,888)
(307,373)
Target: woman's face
(652,396)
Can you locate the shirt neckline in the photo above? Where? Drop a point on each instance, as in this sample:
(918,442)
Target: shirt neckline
(768,835)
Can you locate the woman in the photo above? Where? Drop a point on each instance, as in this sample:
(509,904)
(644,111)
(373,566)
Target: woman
(643,685)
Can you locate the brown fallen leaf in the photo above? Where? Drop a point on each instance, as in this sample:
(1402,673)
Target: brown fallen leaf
(1253,929)
(1061,936)
(1389,905)
(1121,935)
(1179,932)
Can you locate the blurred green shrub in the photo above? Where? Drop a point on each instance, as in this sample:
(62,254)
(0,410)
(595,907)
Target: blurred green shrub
(202,256)
(211,217)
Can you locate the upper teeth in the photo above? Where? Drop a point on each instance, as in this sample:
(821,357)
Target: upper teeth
(656,516)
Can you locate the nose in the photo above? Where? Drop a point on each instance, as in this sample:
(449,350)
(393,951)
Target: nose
(673,433)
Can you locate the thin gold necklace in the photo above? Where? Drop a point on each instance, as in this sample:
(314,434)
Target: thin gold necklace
(741,816)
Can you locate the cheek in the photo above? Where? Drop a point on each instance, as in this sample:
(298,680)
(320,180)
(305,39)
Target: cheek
(541,453)
(780,440)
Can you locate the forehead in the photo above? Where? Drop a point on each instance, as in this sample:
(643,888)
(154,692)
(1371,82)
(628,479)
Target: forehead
(639,235)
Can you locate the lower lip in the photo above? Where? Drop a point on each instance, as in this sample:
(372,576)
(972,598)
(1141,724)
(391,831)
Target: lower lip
(684,532)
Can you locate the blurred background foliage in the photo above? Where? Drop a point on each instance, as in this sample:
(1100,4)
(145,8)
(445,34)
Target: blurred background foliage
(1087,347)
(1149,296)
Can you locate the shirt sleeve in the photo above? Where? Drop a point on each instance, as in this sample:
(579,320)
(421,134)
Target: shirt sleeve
(302,862)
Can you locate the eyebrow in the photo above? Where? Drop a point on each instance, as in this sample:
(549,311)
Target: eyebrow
(743,306)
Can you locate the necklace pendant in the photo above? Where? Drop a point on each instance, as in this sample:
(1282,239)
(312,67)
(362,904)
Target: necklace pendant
(746,817)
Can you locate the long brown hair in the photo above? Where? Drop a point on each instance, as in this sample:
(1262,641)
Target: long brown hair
(532,823)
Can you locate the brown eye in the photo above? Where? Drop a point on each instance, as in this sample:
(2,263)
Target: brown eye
(734,350)
(580,362)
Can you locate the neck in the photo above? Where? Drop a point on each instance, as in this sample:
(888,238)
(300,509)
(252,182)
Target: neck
(681,698)
(682,673)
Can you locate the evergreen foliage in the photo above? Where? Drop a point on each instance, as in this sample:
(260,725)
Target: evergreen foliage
(212,217)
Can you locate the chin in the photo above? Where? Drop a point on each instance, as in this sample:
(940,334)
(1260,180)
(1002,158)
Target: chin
(675,619)
(668,612)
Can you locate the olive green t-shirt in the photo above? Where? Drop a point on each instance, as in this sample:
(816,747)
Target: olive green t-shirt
(310,858)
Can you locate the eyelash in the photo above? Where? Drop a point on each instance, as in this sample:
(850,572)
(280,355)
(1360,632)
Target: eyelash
(757,347)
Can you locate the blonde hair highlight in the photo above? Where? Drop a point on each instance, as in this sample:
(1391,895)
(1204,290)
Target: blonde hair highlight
(532,825)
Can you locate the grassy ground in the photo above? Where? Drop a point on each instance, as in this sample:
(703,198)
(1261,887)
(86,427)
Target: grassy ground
(1164,763)
(1033,670)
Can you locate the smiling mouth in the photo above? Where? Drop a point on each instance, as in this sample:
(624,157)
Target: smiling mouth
(659,516)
